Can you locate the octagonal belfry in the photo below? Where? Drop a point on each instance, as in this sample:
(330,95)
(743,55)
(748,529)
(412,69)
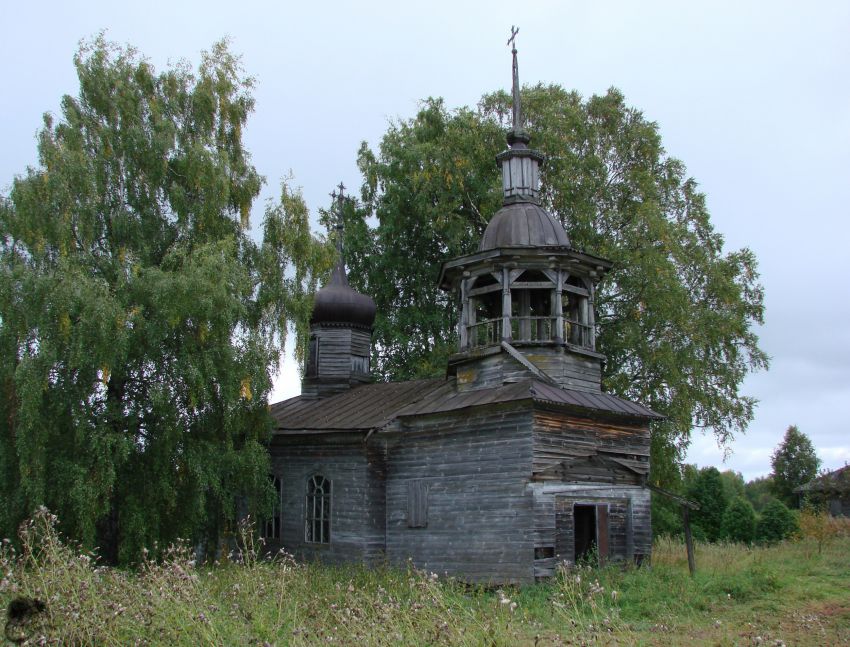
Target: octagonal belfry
(526,296)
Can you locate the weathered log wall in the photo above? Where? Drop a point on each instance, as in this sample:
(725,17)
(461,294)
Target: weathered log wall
(559,437)
(580,460)
(629,528)
(479,509)
(357,500)
(343,360)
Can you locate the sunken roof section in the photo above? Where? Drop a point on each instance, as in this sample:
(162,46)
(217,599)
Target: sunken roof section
(374,406)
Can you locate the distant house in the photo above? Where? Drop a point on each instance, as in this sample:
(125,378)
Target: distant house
(514,461)
(831,488)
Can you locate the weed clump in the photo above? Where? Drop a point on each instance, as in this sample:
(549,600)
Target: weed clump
(250,598)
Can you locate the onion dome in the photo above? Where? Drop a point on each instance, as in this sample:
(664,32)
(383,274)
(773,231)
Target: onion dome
(337,303)
(521,222)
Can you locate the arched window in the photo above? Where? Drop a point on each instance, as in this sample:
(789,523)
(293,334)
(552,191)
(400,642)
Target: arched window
(272,527)
(317,518)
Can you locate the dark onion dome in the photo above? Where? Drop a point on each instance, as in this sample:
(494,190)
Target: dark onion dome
(337,303)
(523,224)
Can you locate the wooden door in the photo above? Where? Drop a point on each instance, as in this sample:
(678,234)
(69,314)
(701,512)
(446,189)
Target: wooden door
(602,543)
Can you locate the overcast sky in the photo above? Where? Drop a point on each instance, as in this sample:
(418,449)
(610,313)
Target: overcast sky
(753,97)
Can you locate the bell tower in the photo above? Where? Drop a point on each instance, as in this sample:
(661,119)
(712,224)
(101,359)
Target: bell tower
(340,330)
(526,297)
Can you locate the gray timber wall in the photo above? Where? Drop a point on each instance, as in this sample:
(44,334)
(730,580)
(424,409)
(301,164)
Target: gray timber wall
(629,527)
(561,439)
(356,473)
(343,352)
(476,466)
(572,370)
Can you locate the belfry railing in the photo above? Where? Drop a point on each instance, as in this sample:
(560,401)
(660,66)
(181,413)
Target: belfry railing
(488,332)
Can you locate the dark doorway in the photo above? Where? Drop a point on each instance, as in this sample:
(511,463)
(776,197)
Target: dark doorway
(584,517)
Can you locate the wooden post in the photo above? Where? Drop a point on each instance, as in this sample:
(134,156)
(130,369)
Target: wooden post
(689,541)
(463,330)
(591,314)
(558,307)
(506,304)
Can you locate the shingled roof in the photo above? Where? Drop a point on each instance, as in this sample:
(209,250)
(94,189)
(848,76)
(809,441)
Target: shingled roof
(373,406)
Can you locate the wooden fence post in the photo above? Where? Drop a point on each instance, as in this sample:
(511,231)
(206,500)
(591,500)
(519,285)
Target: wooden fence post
(689,541)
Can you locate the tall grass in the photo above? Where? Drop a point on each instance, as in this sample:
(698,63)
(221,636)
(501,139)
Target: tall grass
(254,601)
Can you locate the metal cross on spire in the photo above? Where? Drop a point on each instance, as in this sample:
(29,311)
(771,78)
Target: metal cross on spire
(514,32)
(339,200)
(517,111)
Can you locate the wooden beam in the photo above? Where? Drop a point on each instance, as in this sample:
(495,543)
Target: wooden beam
(679,499)
(522,359)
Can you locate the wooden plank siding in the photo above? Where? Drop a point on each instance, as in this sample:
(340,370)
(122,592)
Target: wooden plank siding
(479,520)
(559,437)
(356,473)
(343,352)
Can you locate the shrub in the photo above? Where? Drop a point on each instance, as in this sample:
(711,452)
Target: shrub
(707,490)
(817,525)
(777,522)
(666,517)
(739,521)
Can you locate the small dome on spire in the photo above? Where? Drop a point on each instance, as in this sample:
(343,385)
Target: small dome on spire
(521,222)
(337,303)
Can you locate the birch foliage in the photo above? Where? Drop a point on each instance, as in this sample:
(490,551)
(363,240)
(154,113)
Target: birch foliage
(139,320)
(676,317)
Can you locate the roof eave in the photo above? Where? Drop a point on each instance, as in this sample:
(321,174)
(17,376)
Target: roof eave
(451,267)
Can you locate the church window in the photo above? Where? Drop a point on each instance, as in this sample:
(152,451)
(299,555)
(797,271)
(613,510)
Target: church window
(313,357)
(317,527)
(272,527)
(360,364)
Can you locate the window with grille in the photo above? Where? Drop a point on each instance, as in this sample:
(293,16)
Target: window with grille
(272,526)
(313,357)
(317,516)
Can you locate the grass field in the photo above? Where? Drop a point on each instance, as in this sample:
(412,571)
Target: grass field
(794,593)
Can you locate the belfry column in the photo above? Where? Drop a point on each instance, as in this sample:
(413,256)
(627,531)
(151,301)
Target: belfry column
(506,304)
